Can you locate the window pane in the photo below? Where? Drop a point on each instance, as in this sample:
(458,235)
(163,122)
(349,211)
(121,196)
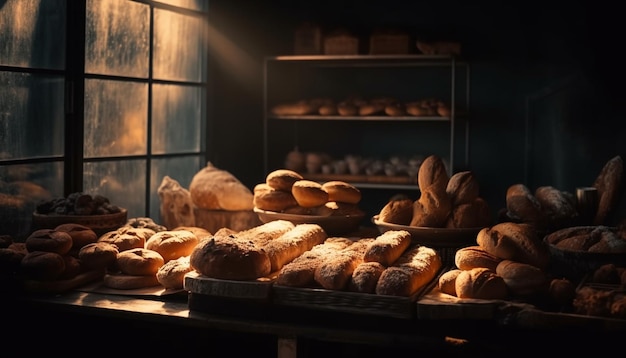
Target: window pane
(32,33)
(122,182)
(116,38)
(176,118)
(189,4)
(31,115)
(179,49)
(115,118)
(180,169)
(22,187)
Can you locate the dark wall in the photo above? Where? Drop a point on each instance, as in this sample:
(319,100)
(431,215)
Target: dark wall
(546,85)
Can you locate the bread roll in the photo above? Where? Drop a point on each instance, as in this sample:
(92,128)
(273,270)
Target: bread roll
(127,237)
(230,258)
(462,188)
(522,279)
(293,243)
(342,192)
(139,261)
(215,189)
(365,277)
(388,247)
(262,234)
(413,270)
(522,205)
(81,235)
(431,209)
(557,207)
(121,281)
(172,274)
(271,199)
(335,271)
(470,257)
(42,265)
(432,175)
(172,244)
(301,271)
(447,282)
(398,210)
(98,255)
(475,214)
(514,241)
(49,240)
(609,186)
(480,283)
(309,193)
(282,179)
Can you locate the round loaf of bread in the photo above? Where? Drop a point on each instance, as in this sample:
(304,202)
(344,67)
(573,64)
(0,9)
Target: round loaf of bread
(432,175)
(274,200)
(342,192)
(282,179)
(470,257)
(522,205)
(462,188)
(42,265)
(229,258)
(172,274)
(523,279)
(172,244)
(120,281)
(98,255)
(309,193)
(127,237)
(49,240)
(480,283)
(81,235)
(139,262)
(447,282)
(398,210)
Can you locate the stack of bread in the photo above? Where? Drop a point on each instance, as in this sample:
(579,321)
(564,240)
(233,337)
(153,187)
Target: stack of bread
(444,202)
(286,191)
(510,260)
(386,265)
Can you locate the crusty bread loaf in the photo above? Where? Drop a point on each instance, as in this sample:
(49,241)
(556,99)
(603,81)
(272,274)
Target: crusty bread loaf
(98,255)
(447,282)
(230,258)
(514,241)
(398,210)
(557,207)
(293,243)
(388,247)
(417,266)
(309,193)
(365,277)
(172,274)
(172,244)
(462,188)
(127,237)
(523,279)
(431,209)
(522,205)
(475,214)
(282,179)
(49,240)
(215,189)
(609,186)
(270,199)
(432,175)
(467,258)
(301,271)
(335,272)
(264,233)
(342,192)
(481,283)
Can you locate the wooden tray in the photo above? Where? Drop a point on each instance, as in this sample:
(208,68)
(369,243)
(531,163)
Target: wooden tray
(258,289)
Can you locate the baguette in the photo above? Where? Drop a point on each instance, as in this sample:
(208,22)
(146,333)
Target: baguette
(413,270)
(335,272)
(262,234)
(293,243)
(365,277)
(388,247)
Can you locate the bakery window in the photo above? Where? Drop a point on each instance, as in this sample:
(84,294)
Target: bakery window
(99,96)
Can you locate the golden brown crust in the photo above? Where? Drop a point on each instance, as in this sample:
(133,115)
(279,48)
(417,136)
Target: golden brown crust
(480,283)
(274,200)
(432,173)
(98,255)
(309,193)
(293,243)
(447,282)
(282,179)
(514,241)
(139,262)
(416,267)
(365,277)
(397,211)
(262,234)
(340,191)
(467,258)
(200,232)
(127,237)
(388,247)
(172,244)
(172,274)
(335,271)
(49,240)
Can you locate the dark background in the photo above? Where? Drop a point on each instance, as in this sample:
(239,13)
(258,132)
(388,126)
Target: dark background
(546,82)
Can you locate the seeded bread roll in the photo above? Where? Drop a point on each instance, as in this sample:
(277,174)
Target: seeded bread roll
(462,188)
(480,283)
(523,279)
(388,247)
(293,243)
(467,258)
(342,192)
(398,210)
(365,277)
(447,282)
(417,266)
(515,241)
(282,179)
(139,261)
(309,193)
(49,240)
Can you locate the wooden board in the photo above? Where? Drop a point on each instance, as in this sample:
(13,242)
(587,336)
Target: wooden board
(258,289)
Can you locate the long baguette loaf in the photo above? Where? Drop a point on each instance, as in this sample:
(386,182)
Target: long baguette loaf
(335,272)
(293,243)
(301,271)
(388,247)
(413,270)
(262,234)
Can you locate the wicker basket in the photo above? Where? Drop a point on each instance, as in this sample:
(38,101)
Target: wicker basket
(100,224)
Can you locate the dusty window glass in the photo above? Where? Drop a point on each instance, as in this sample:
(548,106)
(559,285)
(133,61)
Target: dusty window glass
(122,182)
(22,187)
(31,115)
(32,33)
(115,118)
(188,4)
(179,49)
(177,112)
(180,169)
(117,38)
